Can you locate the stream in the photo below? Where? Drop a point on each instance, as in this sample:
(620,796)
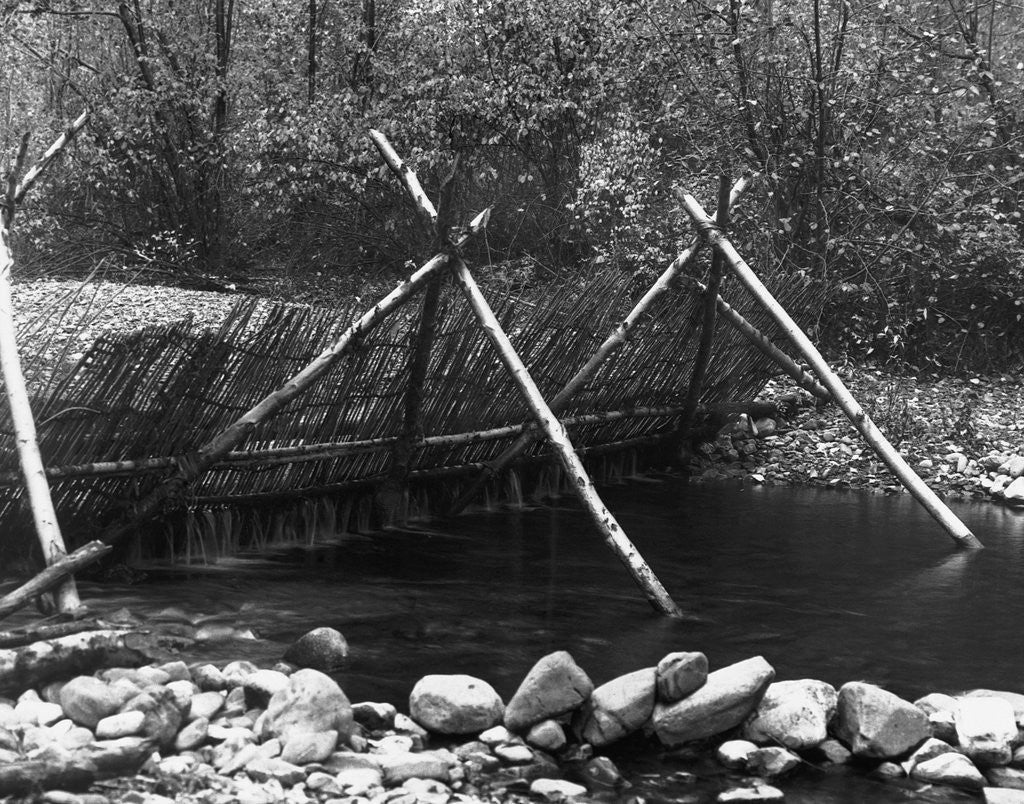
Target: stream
(824,584)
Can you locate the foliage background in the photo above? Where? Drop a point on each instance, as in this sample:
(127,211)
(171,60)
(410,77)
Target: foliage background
(229,140)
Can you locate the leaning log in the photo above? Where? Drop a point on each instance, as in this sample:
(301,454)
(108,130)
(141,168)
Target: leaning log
(548,422)
(76,770)
(44,516)
(38,664)
(960,533)
(52,576)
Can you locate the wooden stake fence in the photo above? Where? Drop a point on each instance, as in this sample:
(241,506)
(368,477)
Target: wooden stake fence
(899,467)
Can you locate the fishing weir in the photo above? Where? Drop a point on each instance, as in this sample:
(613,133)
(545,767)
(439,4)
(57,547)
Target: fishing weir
(289,424)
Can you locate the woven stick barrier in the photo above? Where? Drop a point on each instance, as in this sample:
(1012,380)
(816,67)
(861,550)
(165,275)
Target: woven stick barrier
(761,342)
(849,405)
(271,404)
(619,337)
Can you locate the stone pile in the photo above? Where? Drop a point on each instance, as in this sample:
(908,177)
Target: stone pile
(821,451)
(239,733)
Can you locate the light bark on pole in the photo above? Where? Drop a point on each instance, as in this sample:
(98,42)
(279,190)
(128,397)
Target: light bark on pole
(52,576)
(192,467)
(960,533)
(548,422)
(619,337)
(762,343)
(37,487)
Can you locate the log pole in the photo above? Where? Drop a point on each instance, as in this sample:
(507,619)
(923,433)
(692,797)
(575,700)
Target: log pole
(709,317)
(618,338)
(552,428)
(854,412)
(44,515)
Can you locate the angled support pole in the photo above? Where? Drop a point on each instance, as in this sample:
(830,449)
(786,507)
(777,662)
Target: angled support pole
(856,414)
(618,338)
(553,430)
(44,515)
(391,496)
(548,422)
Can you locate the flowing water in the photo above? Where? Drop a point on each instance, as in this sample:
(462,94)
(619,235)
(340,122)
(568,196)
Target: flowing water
(824,584)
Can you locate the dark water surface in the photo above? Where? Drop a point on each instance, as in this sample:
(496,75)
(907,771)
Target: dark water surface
(824,584)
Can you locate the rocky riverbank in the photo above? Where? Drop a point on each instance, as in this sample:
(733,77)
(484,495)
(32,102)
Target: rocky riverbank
(964,436)
(170,731)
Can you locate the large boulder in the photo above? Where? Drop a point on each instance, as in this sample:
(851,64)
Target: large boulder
(617,708)
(681,673)
(554,686)
(87,700)
(875,723)
(322,649)
(311,702)
(725,700)
(1014,493)
(986,729)
(455,704)
(795,714)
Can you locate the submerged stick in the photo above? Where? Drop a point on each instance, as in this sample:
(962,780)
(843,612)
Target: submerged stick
(618,338)
(606,523)
(762,343)
(192,467)
(856,414)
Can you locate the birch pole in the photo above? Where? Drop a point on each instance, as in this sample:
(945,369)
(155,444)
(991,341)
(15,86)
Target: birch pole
(552,428)
(193,466)
(618,338)
(854,412)
(762,343)
(44,516)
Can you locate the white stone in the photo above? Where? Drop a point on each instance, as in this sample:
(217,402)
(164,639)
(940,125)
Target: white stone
(733,754)
(555,789)
(1003,795)
(953,769)
(455,704)
(123,724)
(756,793)
(1014,492)
(985,729)
(495,736)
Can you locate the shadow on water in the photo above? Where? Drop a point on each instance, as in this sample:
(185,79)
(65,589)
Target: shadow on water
(824,584)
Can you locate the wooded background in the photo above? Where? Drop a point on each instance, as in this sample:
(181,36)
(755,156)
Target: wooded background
(231,139)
